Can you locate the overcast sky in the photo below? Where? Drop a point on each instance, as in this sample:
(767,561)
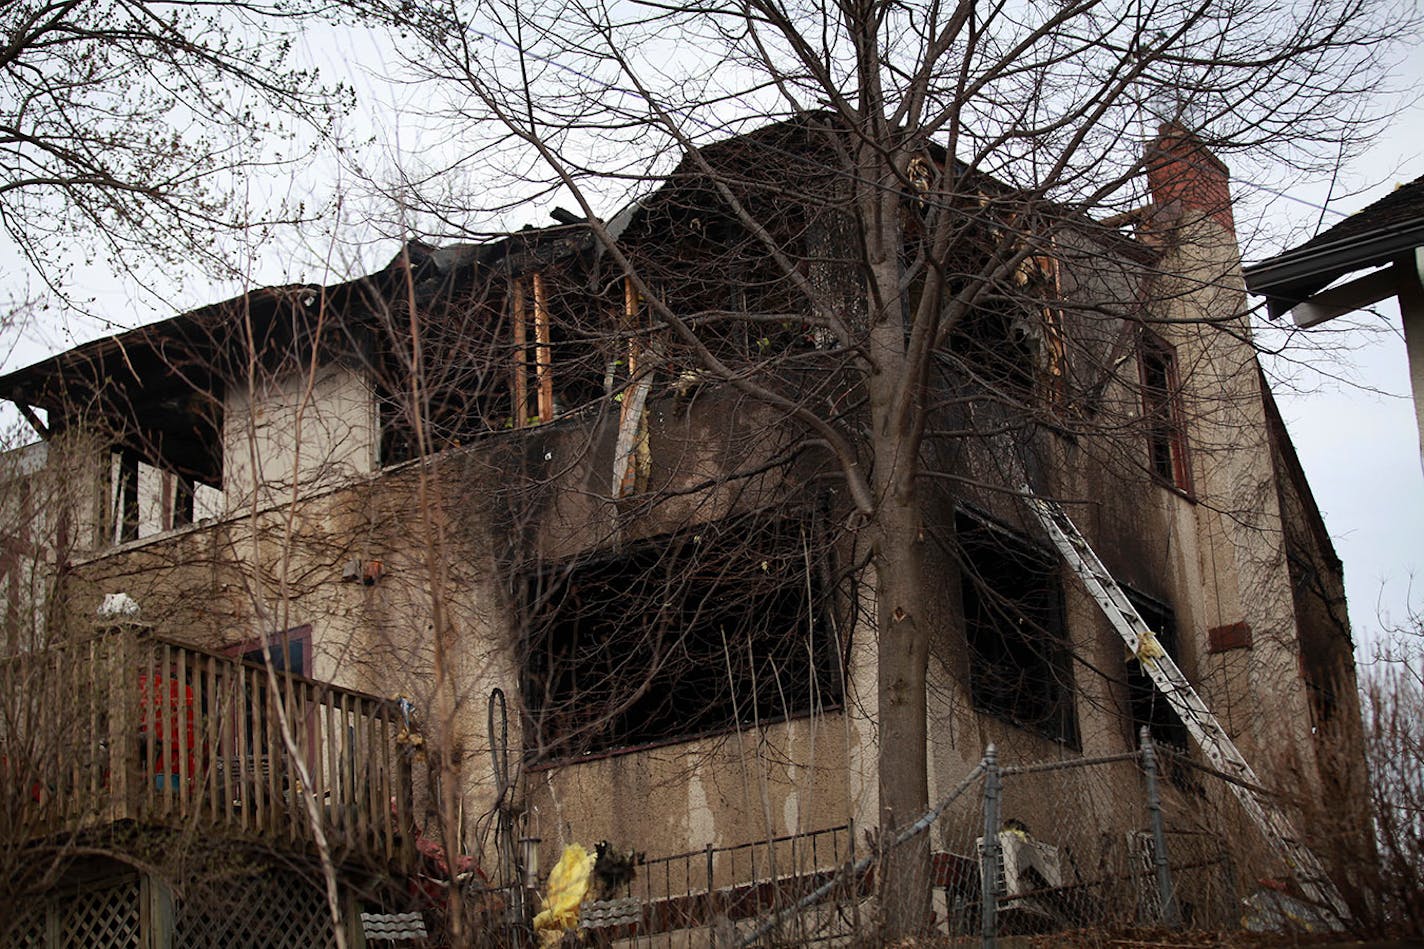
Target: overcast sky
(1348,410)
(1353,421)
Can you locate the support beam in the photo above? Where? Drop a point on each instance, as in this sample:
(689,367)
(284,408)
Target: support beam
(543,353)
(35,421)
(1411,310)
(1346,298)
(521,368)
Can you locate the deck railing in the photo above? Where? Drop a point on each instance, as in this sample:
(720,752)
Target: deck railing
(126,725)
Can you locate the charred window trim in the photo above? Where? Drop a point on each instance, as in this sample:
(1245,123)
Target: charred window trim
(715,657)
(1146,705)
(1020,660)
(1164,413)
(1014,341)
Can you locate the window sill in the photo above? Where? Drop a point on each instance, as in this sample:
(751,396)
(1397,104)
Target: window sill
(1173,488)
(552,764)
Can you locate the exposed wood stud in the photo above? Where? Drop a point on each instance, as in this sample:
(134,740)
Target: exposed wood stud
(521,368)
(543,355)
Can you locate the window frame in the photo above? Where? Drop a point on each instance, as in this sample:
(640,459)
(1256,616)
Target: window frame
(299,637)
(1163,723)
(631,729)
(1057,717)
(1164,417)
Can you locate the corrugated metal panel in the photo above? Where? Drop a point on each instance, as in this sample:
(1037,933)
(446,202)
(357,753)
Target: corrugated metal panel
(393,927)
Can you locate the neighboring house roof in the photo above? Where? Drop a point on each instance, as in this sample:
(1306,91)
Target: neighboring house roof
(1372,237)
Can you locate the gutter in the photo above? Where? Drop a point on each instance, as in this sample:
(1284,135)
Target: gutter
(1295,275)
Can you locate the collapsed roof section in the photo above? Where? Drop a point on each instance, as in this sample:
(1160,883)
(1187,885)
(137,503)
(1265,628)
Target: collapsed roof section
(160,388)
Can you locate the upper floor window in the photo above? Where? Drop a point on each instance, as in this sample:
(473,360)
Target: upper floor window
(1163,412)
(1013,341)
(145,499)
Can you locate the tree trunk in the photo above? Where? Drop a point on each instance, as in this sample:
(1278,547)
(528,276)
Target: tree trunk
(901,597)
(902,655)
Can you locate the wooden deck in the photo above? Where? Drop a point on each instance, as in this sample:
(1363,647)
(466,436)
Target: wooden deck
(128,726)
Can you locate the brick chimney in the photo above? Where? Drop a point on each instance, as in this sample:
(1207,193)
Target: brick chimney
(1184,175)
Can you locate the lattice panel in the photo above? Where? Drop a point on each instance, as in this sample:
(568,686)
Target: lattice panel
(26,930)
(278,910)
(102,919)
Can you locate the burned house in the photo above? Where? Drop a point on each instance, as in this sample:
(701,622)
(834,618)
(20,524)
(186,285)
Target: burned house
(542,540)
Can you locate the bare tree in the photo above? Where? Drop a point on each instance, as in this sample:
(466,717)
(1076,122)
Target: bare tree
(934,166)
(125,127)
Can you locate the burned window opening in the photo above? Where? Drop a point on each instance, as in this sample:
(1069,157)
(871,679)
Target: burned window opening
(519,354)
(712,629)
(148,499)
(1019,661)
(1013,340)
(1163,413)
(1146,703)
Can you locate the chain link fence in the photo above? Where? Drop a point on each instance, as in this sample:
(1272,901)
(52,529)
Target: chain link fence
(1143,840)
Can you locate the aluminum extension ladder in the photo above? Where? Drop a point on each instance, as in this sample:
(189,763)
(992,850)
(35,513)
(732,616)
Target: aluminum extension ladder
(1218,747)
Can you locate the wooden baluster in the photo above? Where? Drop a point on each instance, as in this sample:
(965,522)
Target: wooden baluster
(296,789)
(146,669)
(274,754)
(384,762)
(333,762)
(123,733)
(212,739)
(320,787)
(97,726)
(183,698)
(363,788)
(252,782)
(379,804)
(230,725)
(165,711)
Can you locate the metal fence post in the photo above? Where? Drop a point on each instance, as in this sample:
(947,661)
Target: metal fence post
(989,856)
(1166,898)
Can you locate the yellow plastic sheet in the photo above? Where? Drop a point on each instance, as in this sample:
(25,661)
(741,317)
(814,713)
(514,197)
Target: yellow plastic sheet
(1149,648)
(567,889)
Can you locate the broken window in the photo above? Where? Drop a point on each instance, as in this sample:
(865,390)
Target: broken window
(716,628)
(499,356)
(1163,413)
(1013,340)
(1019,663)
(1148,706)
(147,499)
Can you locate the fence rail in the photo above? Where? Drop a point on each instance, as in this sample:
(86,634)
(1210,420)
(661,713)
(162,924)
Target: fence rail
(130,726)
(1111,842)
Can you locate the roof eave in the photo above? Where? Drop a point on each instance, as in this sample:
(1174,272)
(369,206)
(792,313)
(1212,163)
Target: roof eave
(1291,277)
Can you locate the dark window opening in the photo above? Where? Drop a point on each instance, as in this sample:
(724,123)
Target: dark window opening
(1163,413)
(701,632)
(996,345)
(492,360)
(1019,667)
(290,650)
(1148,706)
(1013,340)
